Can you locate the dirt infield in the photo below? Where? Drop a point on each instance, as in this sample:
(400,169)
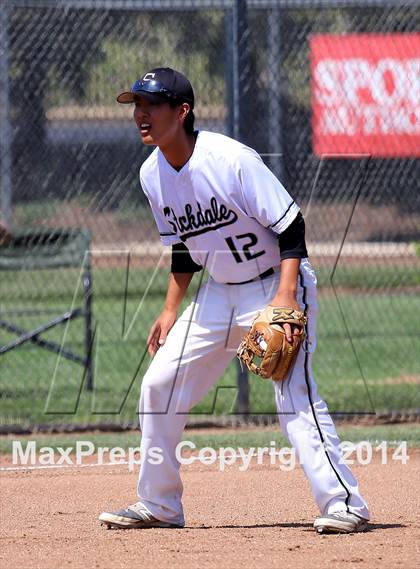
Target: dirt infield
(261,517)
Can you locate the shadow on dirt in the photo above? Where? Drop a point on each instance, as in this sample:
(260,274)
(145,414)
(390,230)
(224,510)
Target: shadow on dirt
(305,526)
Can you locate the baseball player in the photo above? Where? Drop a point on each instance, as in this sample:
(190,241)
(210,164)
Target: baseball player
(218,206)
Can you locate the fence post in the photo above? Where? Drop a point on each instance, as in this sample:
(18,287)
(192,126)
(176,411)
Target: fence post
(239,67)
(274,93)
(242,401)
(229,72)
(5,125)
(237,63)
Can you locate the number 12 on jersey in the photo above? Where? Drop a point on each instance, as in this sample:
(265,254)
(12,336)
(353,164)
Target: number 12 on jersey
(251,241)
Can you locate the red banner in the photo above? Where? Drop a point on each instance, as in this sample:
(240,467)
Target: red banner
(365,92)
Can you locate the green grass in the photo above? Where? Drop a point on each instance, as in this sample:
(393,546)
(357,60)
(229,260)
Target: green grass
(393,434)
(31,213)
(366,359)
(370,277)
(50,285)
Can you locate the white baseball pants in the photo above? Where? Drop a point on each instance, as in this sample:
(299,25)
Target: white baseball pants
(197,350)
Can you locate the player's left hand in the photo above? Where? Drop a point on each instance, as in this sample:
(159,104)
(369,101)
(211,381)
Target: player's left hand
(286,298)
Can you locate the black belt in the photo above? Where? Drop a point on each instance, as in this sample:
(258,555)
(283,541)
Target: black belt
(263,275)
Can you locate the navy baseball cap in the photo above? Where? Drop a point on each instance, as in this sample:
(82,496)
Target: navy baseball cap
(160,85)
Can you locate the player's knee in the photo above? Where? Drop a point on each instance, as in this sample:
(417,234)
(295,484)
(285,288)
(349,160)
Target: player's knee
(156,392)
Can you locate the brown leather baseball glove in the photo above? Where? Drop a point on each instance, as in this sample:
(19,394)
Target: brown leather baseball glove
(265,350)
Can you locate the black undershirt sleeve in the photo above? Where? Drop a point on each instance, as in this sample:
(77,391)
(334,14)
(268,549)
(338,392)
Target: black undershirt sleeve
(292,240)
(182,261)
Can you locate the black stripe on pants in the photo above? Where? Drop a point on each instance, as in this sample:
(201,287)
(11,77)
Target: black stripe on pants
(308,386)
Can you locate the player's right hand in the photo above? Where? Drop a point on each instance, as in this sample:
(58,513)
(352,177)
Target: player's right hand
(159,330)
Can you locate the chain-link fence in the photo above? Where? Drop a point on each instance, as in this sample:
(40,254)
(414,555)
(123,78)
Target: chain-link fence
(295,80)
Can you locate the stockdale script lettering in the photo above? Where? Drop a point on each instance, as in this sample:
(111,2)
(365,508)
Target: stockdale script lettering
(200,221)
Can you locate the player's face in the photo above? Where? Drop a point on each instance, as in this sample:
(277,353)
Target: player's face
(158,124)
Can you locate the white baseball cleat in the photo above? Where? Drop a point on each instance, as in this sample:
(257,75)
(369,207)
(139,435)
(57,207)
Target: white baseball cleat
(340,522)
(135,516)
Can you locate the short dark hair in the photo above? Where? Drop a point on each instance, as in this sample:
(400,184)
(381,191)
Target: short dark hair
(189,119)
(189,122)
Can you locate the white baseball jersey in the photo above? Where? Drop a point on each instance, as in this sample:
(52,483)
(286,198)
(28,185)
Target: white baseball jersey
(224,204)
